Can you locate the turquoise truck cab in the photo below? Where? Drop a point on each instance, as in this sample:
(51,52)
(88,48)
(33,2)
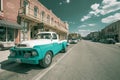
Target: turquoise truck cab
(39,51)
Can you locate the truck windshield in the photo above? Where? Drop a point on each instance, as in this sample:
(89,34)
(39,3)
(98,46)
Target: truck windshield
(43,36)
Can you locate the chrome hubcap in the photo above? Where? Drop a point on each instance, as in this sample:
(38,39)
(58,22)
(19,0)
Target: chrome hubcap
(47,59)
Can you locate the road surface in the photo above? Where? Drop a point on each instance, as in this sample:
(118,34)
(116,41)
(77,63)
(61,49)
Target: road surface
(83,61)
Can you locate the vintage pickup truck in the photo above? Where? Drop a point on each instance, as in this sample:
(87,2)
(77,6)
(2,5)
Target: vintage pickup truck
(38,51)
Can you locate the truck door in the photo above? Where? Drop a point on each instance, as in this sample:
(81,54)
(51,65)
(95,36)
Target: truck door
(55,41)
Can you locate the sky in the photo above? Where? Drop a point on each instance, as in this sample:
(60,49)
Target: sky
(85,16)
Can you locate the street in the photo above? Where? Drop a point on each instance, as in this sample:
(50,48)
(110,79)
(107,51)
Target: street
(85,60)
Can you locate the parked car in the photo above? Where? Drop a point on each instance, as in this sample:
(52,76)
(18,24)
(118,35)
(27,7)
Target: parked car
(39,51)
(102,40)
(73,41)
(4,45)
(110,41)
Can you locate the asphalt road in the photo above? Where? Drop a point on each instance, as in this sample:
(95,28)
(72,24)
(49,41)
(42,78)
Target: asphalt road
(88,61)
(83,61)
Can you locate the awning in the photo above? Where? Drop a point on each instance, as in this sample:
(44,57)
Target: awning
(10,24)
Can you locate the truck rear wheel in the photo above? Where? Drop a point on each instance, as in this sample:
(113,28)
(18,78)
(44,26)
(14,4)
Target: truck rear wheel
(47,60)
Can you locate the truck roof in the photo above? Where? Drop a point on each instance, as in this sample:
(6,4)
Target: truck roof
(45,32)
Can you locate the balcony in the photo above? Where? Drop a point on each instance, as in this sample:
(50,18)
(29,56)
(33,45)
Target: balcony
(29,14)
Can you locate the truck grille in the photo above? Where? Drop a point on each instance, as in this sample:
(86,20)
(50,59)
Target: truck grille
(23,53)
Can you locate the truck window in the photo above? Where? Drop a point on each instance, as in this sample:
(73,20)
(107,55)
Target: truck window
(54,36)
(43,36)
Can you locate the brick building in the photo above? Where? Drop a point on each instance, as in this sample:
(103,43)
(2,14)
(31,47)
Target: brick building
(9,28)
(32,16)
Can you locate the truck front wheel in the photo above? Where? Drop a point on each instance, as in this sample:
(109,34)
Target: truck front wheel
(47,60)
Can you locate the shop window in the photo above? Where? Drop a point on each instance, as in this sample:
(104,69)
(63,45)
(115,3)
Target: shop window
(6,34)
(2,33)
(10,34)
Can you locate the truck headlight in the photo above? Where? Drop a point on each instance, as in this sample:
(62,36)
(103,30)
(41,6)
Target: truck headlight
(34,53)
(12,53)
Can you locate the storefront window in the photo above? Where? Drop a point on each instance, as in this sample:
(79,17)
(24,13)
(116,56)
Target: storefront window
(10,34)
(6,34)
(2,33)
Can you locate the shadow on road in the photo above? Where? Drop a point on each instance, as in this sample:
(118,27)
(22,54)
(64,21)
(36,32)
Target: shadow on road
(18,67)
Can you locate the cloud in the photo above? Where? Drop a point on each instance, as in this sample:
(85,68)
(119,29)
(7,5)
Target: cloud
(85,18)
(84,32)
(95,6)
(106,7)
(67,1)
(93,12)
(107,2)
(86,25)
(82,26)
(91,24)
(60,3)
(110,6)
(111,18)
(64,2)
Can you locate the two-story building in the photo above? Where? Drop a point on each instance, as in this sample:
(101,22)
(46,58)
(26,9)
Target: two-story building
(112,31)
(23,19)
(34,17)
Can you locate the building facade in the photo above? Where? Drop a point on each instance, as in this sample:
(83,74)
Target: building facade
(34,17)
(112,31)
(23,19)
(9,28)
(94,36)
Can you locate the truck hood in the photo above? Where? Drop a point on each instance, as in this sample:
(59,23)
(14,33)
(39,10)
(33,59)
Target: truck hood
(32,43)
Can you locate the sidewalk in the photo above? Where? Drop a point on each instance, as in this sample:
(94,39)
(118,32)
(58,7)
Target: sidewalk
(118,44)
(3,55)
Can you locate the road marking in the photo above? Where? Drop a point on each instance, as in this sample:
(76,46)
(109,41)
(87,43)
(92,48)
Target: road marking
(42,73)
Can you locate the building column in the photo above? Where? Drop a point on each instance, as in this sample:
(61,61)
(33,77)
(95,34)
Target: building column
(29,31)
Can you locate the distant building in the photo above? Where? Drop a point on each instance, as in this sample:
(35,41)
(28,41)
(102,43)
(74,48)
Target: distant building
(112,31)
(74,36)
(95,36)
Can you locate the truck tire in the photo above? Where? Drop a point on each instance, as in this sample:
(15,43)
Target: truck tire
(47,60)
